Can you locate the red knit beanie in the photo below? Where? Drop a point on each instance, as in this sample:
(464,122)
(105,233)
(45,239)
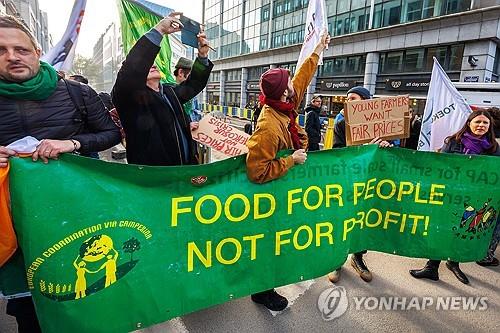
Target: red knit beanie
(274,82)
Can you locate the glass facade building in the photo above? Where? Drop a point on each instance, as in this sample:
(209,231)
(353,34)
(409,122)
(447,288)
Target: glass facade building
(240,27)
(251,36)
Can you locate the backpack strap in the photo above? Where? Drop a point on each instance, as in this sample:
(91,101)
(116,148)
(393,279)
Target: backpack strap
(75,92)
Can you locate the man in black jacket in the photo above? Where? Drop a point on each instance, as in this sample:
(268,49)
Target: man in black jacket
(35,101)
(158,131)
(313,123)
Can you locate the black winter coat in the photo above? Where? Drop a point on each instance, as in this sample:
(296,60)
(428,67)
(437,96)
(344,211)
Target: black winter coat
(57,118)
(313,124)
(339,134)
(148,120)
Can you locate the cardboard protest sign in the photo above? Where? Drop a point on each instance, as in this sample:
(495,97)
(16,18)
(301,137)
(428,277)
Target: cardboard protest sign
(387,118)
(221,136)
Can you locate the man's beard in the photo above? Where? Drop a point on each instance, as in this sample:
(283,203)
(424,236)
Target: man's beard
(19,78)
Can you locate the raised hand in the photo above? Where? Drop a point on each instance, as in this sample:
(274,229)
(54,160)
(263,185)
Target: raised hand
(170,24)
(203,45)
(323,42)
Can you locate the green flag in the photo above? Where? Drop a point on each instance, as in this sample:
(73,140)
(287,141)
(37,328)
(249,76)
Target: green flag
(135,21)
(112,247)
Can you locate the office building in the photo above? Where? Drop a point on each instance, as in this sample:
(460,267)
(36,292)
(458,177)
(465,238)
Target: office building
(385,45)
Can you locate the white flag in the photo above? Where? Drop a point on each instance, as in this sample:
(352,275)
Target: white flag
(61,56)
(446,111)
(316,23)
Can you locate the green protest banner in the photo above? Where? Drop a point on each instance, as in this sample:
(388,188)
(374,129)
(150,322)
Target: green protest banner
(129,246)
(136,19)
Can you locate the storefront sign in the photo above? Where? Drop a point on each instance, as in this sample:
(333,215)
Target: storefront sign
(337,85)
(474,78)
(407,84)
(253,86)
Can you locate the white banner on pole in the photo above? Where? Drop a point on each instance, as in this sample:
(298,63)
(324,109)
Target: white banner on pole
(446,111)
(316,23)
(62,54)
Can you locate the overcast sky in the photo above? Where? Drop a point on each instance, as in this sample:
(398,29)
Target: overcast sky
(98,15)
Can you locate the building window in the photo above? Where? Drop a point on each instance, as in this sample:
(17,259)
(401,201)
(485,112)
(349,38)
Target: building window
(265,13)
(343,6)
(421,60)
(342,24)
(263,42)
(254,73)
(439,53)
(496,65)
(291,67)
(278,8)
(456,55)
(339,66)
(414,61)
(428,9)
(454,6)
(400,11)
(214,77)
(394,62)
(358,21)
(412,10)
(326,69)
(391,13)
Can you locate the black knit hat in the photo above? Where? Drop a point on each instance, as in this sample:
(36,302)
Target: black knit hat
(361,91)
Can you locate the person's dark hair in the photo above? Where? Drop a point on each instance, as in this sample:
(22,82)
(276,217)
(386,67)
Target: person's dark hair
(106,100)
(8,21)
(185,70)
(490,135)
(79,78)
(495,114)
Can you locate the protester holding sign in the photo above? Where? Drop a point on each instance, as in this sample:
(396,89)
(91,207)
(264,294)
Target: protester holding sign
(157,128)
(281,96)
(357,93)
(36,102)
(476,137)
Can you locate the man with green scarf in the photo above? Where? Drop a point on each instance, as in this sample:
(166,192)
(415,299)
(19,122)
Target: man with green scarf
(35,101)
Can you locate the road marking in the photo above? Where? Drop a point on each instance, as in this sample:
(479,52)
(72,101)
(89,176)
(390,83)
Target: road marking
(178,326)
(293,292)
(175,325)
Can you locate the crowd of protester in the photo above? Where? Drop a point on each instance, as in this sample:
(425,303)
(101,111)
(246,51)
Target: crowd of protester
(157,119)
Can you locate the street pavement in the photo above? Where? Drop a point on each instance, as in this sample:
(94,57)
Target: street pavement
(391,278)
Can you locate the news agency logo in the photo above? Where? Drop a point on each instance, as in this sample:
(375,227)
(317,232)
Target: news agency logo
(333,303)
